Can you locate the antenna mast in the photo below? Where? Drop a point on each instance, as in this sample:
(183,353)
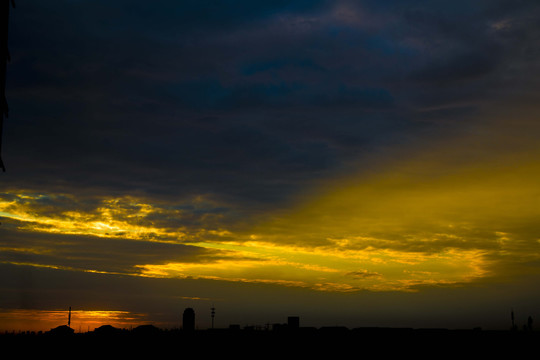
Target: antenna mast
(213,314)
(69,317)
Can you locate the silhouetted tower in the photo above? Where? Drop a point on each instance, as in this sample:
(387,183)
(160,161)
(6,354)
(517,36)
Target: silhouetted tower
(213,315)
(69,317)
(188,320)
(513,323)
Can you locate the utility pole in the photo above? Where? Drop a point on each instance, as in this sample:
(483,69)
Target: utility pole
(513,324)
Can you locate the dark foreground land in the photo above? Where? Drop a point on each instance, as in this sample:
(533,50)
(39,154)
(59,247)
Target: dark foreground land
(324,342)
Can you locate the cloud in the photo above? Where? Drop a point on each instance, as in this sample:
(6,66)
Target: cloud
(123,106)
(89,253)
(333,146)
(362,274)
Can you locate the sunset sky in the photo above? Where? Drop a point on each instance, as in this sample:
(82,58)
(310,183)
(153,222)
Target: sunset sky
(355,163)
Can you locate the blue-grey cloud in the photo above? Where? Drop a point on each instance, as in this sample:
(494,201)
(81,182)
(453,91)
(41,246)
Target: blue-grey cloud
(248,102)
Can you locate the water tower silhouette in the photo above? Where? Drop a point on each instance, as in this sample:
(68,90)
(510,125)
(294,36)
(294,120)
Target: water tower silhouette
(188,320)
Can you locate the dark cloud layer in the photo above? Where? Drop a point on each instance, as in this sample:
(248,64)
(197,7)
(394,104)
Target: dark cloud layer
(89,253)
(248,102)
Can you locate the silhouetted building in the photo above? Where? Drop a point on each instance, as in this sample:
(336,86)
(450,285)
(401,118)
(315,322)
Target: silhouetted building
(188,320)
(333,330)
(146,330)
(62,330)
(106,330)
(293,322)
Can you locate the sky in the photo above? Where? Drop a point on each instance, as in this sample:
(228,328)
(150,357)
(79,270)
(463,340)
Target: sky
(353,163)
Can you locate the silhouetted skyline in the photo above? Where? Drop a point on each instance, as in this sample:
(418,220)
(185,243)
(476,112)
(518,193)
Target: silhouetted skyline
(189,324)
(292,325)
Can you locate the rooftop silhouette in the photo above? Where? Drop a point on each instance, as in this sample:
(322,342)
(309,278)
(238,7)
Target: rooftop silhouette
(290,338)
(297,341)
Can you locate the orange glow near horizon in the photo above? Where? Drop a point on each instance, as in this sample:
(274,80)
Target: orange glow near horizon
(81,320)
